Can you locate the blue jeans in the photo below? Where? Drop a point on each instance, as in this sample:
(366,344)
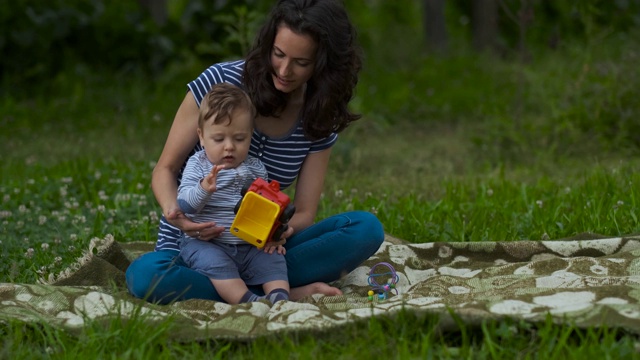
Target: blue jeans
(322,252)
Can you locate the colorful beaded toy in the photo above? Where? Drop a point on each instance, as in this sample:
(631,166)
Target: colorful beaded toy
(383,290)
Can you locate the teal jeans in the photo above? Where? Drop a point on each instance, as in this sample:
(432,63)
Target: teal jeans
(321,253)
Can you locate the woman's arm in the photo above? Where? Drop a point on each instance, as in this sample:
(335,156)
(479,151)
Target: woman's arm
(309,188)
(181,140)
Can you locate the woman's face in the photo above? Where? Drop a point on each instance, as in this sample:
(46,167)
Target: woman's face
(293,58)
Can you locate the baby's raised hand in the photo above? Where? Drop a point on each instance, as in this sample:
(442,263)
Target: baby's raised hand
(208,183)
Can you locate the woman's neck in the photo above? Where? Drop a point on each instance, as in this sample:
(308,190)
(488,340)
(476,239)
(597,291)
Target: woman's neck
(288,118)
(296,97)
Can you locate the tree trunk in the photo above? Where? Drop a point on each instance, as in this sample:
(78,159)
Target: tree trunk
(485,24)
(435,27)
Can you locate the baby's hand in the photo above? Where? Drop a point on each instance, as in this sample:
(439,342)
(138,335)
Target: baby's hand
(208,183)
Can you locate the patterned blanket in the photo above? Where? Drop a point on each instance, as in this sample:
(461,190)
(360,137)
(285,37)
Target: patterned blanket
(585,281)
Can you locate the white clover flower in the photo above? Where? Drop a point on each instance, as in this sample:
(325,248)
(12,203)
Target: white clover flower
(139,186)
(620,203)
(67,180)
(29,253)
(42,220)
(539,203)
(489,192)
(122,197)
(339,193)
(73,237)
(57,260)
(45,246)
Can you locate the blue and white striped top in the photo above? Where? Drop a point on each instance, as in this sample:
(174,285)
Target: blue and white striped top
(201,206)
(282,157)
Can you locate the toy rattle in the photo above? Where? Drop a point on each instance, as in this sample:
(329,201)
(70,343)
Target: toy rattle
(382,289)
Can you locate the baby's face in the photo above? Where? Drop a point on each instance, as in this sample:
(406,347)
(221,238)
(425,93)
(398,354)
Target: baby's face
(227,143)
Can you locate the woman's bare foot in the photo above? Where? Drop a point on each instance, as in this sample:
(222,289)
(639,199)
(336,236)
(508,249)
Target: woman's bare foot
(313,288)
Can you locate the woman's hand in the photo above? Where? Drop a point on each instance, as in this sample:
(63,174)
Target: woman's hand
(271,245)
(202,231)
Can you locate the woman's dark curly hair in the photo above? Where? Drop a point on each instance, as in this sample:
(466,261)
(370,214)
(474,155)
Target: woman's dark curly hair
(338,61)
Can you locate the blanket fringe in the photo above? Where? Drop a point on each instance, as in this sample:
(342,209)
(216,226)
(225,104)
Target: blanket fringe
(97,247)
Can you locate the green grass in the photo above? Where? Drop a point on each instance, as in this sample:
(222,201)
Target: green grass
(76,161)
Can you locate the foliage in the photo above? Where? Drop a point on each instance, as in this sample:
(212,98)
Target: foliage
(44,38)
(40,39)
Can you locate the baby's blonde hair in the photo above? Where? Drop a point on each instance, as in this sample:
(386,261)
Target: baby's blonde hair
(220,103)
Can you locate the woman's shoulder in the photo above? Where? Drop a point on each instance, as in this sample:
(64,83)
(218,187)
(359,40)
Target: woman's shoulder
(229,71)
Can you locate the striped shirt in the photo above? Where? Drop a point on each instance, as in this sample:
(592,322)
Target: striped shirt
(201,206)
(282,156)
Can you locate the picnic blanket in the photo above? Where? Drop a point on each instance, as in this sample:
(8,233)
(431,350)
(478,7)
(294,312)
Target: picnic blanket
(585,281)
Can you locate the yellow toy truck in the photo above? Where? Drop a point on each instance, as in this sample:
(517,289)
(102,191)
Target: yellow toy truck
(263,213)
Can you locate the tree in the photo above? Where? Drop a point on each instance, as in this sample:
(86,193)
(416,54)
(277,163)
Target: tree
(484,21)
(435,26)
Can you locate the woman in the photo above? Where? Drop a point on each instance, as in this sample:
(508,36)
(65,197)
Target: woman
(300,75)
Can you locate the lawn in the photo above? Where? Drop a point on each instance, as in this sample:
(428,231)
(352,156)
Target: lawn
(76,160)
